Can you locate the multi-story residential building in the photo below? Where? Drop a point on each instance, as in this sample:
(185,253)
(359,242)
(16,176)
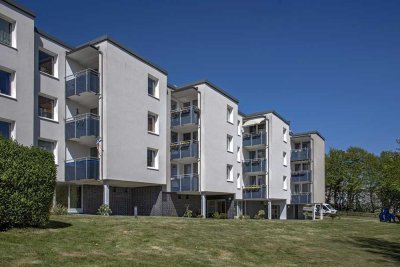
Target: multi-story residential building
(308,171)
(122,136)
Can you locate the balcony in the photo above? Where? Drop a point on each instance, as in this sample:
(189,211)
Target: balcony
(185,183)
(185,150)
(301,176)
(186,116)
(301,198)
(254,139)
(254,165)
(85,81)
(255,192)
(82,169)
(80,126)
(301,154)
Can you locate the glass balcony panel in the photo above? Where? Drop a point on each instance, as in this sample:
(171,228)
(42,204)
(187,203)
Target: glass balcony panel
(185,183)
(82,169)
(81,82)
(82,125)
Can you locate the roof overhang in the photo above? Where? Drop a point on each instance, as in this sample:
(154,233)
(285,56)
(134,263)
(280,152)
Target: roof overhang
(253,122)
(86,55)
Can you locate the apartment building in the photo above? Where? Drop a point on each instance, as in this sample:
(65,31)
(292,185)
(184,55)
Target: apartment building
(122,136)
(307,171)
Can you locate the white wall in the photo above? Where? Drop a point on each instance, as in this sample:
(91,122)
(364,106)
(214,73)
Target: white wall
(21,61)
(318,145)
(126,105)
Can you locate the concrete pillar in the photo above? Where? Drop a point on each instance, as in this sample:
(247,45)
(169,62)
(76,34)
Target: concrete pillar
(238,208)
(269,209)
(313,212)
(106,194)
(203,205)
(54,198)
(321,214)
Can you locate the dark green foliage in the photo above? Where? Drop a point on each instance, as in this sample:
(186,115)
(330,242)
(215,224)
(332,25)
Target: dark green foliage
(27,183)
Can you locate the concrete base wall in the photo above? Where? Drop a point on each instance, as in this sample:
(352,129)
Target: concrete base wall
(175,205)
(92,198)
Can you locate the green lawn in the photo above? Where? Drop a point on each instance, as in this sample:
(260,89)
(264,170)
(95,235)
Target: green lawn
(162,241)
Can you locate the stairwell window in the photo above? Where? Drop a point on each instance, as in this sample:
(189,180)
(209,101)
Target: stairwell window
(47,108)
(6,32)
(229,173)
(5,129)
(239,154)
(238,181)
(152,123)
(152,158)
(284,159)
(285,183)
(285,138)
(6,83)
(47,62)
(152,87)
(229,143)
(229,114)
(239,128)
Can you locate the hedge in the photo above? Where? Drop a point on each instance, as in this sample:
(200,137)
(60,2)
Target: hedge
(27,183)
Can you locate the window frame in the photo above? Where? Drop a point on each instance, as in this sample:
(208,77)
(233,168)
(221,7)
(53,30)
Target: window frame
(154,158)
(54,108)
(239,152)
(284,132)
(54,59)
(285,183)
(229,173)
(10,129)
(11,28)
(229,143)
(156,91)
(54,147)
(229,114)
(155,123)
(285,161)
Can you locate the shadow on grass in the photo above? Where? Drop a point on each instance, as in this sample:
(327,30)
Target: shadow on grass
(388,249)
(55,225)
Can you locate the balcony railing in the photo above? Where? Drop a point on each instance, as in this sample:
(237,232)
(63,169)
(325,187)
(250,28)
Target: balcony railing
(82,125)
(85,81)
(185,183)
(301,154)
(82,169)
(184,149)
(189,115)
(301,176)
(254,139)
(255,192)
(254,165)
(301,198)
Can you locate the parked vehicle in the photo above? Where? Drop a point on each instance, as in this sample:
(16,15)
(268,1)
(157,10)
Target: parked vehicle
(326,209)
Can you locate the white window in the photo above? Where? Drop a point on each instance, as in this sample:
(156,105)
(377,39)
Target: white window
(229,114)
(152,123)
(7,82)
(50,146)
(7,32)
(229,173)
(239,128)
(152,87)
(238,156)
(284,159)
(238,181)
(152,158)
(229,143)
(48,63)
(47,108)
(285,135)
(285,184)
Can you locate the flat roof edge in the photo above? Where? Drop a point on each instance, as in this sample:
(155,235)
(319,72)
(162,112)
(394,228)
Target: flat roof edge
(53,39)
(308,133)
(20,7)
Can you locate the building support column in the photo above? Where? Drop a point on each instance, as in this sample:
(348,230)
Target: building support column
(269,210)
(238,208)
(313,212)
(54,198)
(203,205)
(106,194)
(321,214)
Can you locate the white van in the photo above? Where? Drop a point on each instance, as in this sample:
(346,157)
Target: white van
(326,209)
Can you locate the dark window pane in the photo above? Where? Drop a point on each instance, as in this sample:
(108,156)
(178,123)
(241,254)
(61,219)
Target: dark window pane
(5,83)
(48,146)
(46,63)
(5,32)
(46,107)
(5,129)
(151,86)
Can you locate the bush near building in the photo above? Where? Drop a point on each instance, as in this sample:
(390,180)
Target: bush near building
(27,183)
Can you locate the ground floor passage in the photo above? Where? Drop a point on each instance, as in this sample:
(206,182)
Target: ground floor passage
(154,201)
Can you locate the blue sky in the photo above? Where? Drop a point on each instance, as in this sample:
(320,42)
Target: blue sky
(333,66)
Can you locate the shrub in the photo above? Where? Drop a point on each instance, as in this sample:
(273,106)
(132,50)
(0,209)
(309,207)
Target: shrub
(104,210)
(217,215)
(59,209)
(244,217)
(27,183)
(260,215)
(188,214)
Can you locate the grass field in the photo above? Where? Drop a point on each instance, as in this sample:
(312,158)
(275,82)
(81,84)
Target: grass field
(162,241)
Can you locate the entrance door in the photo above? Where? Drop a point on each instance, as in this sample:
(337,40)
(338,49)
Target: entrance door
(275,211)
(75,198)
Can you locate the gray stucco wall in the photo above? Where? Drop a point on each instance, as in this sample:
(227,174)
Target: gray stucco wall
(319,168)
(19,60)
